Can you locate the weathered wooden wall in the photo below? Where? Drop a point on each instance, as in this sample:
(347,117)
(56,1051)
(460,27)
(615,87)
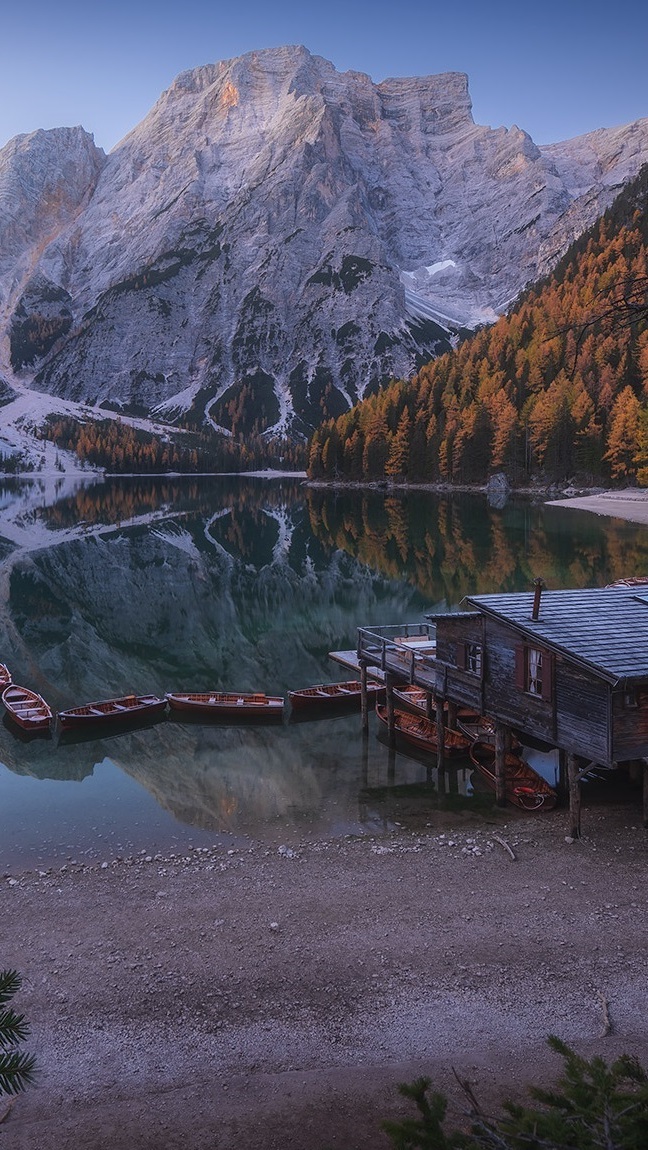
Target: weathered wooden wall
(630,739)
(575,717)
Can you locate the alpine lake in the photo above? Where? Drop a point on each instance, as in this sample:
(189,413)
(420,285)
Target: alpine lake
(139,585)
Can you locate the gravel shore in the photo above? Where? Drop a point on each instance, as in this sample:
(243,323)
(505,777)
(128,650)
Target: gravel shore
(630,504)
(274,995)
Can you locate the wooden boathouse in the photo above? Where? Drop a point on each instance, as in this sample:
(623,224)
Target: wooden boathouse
(567,668)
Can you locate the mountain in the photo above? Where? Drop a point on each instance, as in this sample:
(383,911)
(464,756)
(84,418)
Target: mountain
(555,391)
(276,240)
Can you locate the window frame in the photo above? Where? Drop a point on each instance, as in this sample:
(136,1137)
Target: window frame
(465,649)
(535,676)
(474,659)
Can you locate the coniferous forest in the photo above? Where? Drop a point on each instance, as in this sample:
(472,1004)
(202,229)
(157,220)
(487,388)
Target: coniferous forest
(120,448)
(557,390)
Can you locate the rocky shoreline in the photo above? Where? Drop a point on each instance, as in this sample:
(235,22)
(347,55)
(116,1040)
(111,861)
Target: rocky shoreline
(274,994)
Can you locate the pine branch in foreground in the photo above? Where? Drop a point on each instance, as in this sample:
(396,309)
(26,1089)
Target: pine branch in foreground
(16,1067)
(594,1106)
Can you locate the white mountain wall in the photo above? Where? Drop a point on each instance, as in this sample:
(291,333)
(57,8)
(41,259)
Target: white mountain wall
(275,239)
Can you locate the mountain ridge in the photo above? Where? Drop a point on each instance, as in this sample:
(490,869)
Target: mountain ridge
(276,240)
(556,392)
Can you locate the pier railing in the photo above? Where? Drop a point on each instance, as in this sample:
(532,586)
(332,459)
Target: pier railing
(405,649)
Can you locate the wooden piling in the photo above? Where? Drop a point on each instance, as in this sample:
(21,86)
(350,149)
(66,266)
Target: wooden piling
(500,764)
(364,702)
(452,716)
(645,792)
(440,725)
(391,766)
(563,782)
(574,796)
(391,725)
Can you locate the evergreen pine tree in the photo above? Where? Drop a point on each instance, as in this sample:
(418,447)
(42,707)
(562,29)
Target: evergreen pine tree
(16,1067)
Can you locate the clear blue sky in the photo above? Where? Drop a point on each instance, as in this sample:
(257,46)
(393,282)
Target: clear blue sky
(557,69)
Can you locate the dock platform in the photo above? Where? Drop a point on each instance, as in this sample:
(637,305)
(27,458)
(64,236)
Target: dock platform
(349,659)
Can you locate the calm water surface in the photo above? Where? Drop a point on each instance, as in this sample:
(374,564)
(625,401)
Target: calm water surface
(240,584)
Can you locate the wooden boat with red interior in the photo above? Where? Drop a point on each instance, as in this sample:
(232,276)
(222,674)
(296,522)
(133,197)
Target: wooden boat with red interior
(482,728)
(524,787)
(26,708)
(478,727)
(226,704)
(327,696)
(422,732)
(415,699)
(5,677)
(128,708)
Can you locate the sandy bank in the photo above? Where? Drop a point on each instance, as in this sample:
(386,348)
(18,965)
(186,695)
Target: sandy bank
(631,504)
(273,996)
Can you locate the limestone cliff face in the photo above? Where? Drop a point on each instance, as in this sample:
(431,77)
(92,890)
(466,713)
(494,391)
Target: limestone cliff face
(277,239)
(46,179)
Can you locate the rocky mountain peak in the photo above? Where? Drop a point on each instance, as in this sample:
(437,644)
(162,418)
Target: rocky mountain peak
(276,239)
(45,177)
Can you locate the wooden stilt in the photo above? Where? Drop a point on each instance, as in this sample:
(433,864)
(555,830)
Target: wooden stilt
(365,760)
(452,716)
(500,760)
(635,771)
(364,702)
(574,796)
(440,724)
(391,766)
(563,782)
(391,727)
(645,792)
(429,705)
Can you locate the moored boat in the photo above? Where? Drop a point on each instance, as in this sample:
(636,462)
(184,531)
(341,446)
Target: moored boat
(226,704)
(415,699)
(331,695)
(125,709)
(524,787)
(478,727)
(26,708)
(5,677)
(423,733)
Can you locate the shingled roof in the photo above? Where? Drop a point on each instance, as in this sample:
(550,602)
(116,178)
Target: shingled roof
(604,628)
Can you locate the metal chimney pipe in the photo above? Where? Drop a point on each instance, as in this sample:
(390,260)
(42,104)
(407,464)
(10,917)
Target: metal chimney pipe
(539,585)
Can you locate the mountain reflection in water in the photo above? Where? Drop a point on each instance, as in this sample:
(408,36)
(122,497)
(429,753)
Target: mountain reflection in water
(221,583)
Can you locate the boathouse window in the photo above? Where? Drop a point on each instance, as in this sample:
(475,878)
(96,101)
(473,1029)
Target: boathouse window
(473,658)
(533,671)
(470,658)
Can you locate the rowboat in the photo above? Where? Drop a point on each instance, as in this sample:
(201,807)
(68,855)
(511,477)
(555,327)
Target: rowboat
(482,728)
(523,786)
(478,727)
(26,708)
(125,709)
(5,677)
(416,699)
(422,732)
(226,704)
(331,695)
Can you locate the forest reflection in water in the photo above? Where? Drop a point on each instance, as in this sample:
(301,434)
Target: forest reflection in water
(245,584)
